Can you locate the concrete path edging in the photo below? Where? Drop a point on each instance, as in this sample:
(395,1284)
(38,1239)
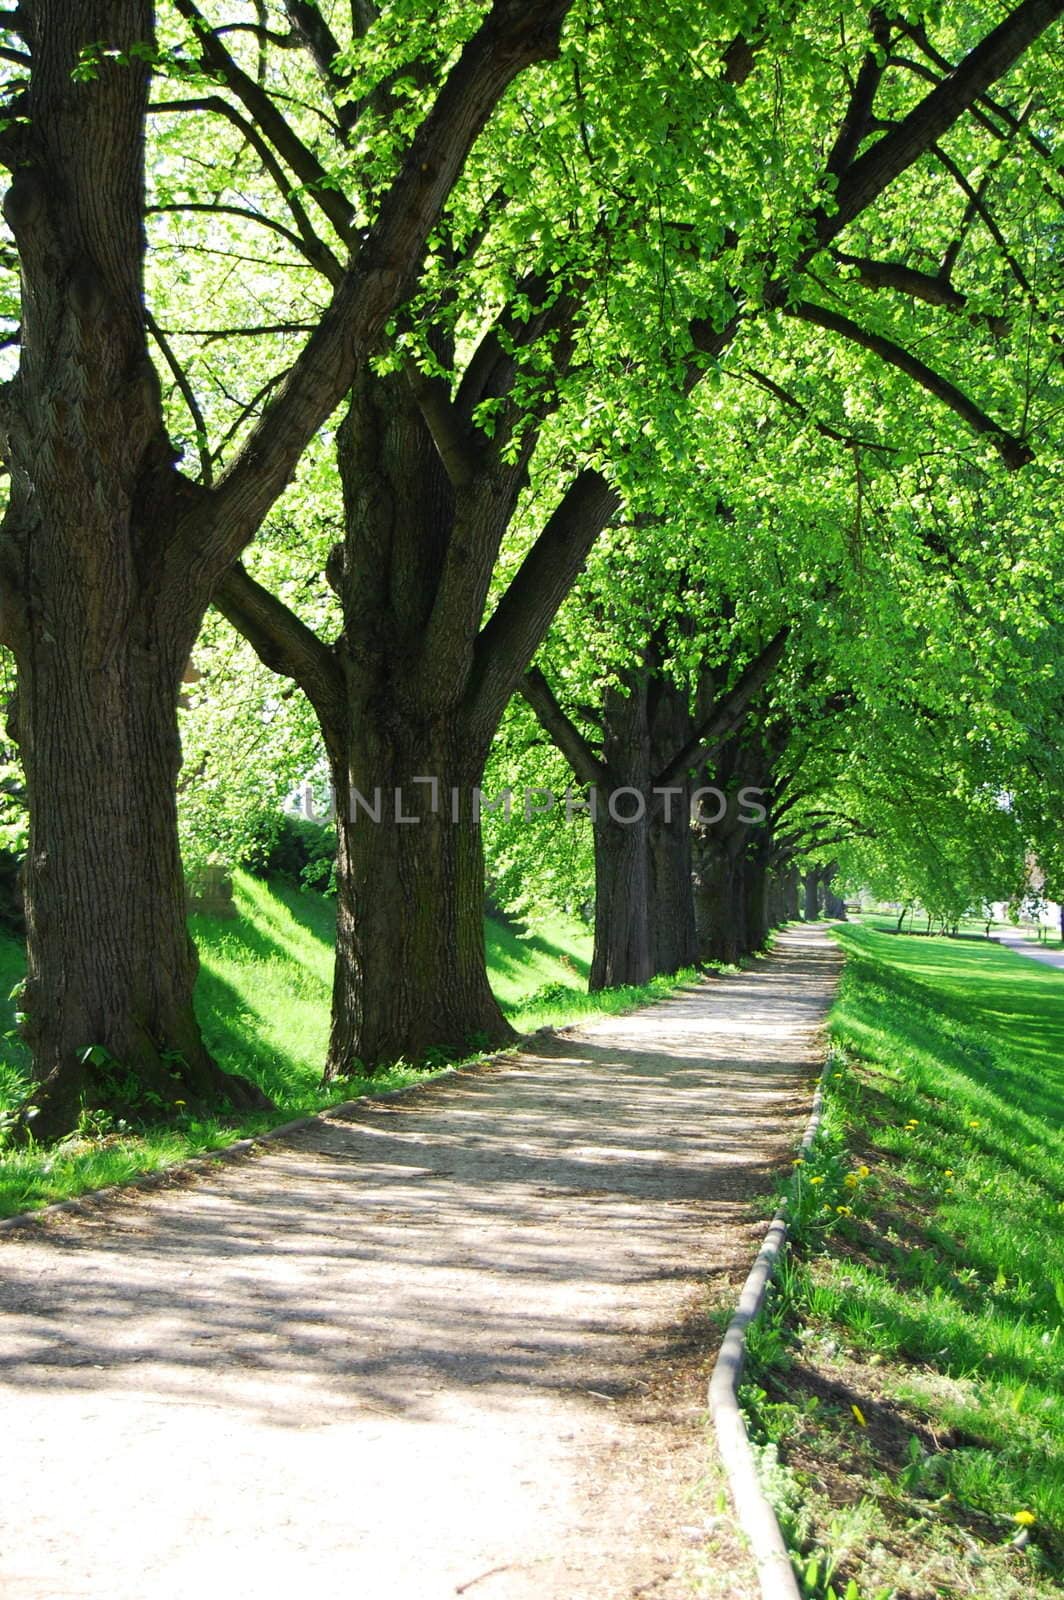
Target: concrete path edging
(757,1518)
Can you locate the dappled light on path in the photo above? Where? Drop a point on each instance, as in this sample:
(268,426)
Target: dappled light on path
(419,1345)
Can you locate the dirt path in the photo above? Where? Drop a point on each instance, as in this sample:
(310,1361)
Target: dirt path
(1028,947)
(451,1345)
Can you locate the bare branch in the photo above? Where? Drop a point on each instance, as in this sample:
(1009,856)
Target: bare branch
(274,126)
(217,104)
(319,256)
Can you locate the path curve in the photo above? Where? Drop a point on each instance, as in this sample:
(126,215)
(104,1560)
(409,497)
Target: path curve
(451,1344)
(1036,952)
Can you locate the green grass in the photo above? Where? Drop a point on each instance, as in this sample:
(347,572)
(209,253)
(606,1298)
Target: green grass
(263,1000)
(933,1300)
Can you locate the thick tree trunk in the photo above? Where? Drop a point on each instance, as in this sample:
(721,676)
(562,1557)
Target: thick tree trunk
(720,909)
(622,951)
(410,974)
(100,650)
(755,892)
(111,967)
(673,934)
(811,894)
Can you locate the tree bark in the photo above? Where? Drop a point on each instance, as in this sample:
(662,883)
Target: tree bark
(622,953)
(410,975)
(720,906)
(673,934)
(811,894)
(99,642)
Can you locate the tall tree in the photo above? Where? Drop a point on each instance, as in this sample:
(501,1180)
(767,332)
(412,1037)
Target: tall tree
(431,685)
(110,554)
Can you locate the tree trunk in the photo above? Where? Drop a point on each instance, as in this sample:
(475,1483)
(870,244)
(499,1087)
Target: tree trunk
(811,894)
(111,967)
(673,935)
(99,641)
(623,952)
(720,910)
(755,892)
(411,975)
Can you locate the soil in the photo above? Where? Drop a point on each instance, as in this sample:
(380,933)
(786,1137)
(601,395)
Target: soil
(449,1344)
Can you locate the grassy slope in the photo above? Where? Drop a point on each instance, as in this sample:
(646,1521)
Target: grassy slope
(934,1300)
(263,999)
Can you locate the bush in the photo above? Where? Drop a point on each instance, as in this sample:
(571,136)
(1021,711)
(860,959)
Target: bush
(299,852)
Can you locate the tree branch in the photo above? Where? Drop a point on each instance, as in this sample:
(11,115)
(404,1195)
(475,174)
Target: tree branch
(220,106)
(933,289)
(283,643)
(727,713)
(871,173)
(561,730)
(273,124)
(979,206)
(513,35)
(452,437)
(317,254)
(854,125)
(786,398)
(188,394)
(514,633)
(308,22)
(1014,452)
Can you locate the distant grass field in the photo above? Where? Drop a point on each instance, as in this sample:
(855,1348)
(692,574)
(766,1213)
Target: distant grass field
(263,999)
(908,1385)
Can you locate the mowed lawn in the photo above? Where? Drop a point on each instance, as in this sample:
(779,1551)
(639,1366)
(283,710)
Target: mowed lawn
(912,1374)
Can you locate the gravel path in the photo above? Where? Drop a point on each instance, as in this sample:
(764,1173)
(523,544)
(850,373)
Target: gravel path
(451,1344)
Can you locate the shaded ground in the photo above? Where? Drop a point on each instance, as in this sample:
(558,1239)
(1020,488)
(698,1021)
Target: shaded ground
(452,1344)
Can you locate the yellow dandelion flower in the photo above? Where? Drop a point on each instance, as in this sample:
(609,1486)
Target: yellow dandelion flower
(844,1211)
(799,1161)
(850,1180)
(974,1123)
(863,1172)
(1026,1519)
(948,1172)
(859,1416)
(179,1102)
(816,1180)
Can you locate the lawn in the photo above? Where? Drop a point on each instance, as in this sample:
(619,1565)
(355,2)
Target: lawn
(908,1382)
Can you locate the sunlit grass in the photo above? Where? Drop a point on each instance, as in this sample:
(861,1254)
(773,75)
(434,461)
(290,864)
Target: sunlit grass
(934,1300)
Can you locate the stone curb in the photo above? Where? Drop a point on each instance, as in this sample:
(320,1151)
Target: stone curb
(757,1519)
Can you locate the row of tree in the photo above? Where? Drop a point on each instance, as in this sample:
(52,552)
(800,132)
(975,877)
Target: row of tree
(670,372)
